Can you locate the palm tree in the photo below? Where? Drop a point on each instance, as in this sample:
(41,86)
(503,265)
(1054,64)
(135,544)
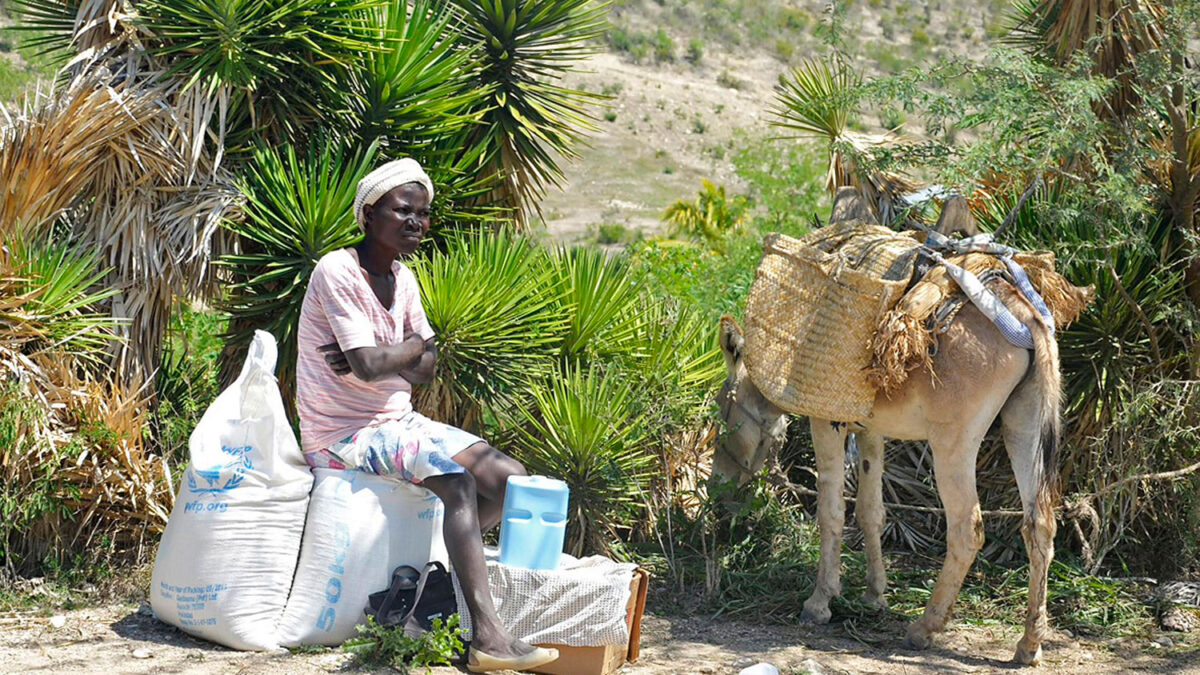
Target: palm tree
(271,63)
(108,156)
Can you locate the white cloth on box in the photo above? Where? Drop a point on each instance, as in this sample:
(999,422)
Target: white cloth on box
(227,557)
(580,604)
(360,527)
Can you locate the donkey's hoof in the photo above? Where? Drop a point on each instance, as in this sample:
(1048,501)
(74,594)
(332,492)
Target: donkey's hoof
(817,616)
(1026,657)
(917,638)
(875,602)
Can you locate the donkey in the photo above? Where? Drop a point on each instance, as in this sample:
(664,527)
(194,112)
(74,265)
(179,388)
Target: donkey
(976,375)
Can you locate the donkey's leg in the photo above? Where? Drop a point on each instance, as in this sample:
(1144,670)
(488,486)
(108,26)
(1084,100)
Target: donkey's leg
(954,454)
(1022,436)
(829,444)
(870,515)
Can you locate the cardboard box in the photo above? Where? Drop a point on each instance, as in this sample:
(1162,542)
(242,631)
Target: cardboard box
(606,659)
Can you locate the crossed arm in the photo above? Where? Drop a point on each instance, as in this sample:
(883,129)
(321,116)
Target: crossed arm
(413,359)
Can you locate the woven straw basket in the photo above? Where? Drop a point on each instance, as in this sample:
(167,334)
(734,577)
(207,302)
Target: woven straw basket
(809,322)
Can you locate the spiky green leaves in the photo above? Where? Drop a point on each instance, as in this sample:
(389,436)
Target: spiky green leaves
(51,298)
(530,119)
(600,300)
(298,208)
(420,86)
(248,44)
(710,218)
(494,304)
(817,99)
(585,427)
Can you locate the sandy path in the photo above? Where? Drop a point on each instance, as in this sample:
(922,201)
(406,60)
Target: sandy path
(124,638)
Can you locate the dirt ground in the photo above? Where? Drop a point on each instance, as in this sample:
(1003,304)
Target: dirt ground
(125,638)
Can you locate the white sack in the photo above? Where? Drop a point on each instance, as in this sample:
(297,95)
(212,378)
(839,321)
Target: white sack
(226,560)
(360,527)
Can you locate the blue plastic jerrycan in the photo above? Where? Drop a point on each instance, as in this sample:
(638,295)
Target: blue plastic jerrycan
(534,522)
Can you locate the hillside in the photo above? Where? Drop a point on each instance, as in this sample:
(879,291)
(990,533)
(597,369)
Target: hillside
(691,80)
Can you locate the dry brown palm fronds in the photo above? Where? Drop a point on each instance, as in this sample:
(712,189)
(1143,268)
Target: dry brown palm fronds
(131,151)
(686,458)
(51,149)
(80,449)
(882,190)
(1117,32)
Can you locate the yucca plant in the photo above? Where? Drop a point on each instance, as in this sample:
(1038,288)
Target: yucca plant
(298,208)
(529,118)
(62,28)
(710,219)
(817,99)
(495,305)
(420,86)
(585,427)
(678,363)
(52,301)
(1114,32)
(600,300)
(273,62)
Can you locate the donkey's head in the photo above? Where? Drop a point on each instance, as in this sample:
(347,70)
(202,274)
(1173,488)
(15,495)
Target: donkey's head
(754,428)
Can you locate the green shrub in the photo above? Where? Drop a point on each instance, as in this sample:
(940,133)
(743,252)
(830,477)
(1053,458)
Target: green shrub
(695,50)
(664,46)
(613,233)
(920,38)
(730,81)
(610,116)
(795,19)
(26,500)
(584,426)
(785,50)
(891,118)
(376,646)
(710,218)
(186,381)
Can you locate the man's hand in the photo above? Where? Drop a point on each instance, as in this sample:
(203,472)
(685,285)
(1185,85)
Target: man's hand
(335,358)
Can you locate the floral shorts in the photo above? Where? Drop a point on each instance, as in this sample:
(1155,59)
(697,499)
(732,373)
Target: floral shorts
(412,449)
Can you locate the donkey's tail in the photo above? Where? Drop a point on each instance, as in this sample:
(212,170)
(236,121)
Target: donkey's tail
(1047,378)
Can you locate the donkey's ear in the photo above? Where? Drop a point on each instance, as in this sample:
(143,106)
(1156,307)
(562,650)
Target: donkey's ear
(731,340)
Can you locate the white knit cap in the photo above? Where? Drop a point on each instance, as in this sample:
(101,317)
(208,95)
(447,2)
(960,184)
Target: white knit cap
(385,179)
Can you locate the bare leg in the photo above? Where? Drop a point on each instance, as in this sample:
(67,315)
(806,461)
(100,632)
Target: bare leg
(461,532)
(954,469)
(870,515)
(829,443)
(491,469)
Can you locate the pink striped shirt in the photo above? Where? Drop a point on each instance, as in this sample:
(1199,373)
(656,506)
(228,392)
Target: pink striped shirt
(340,306)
